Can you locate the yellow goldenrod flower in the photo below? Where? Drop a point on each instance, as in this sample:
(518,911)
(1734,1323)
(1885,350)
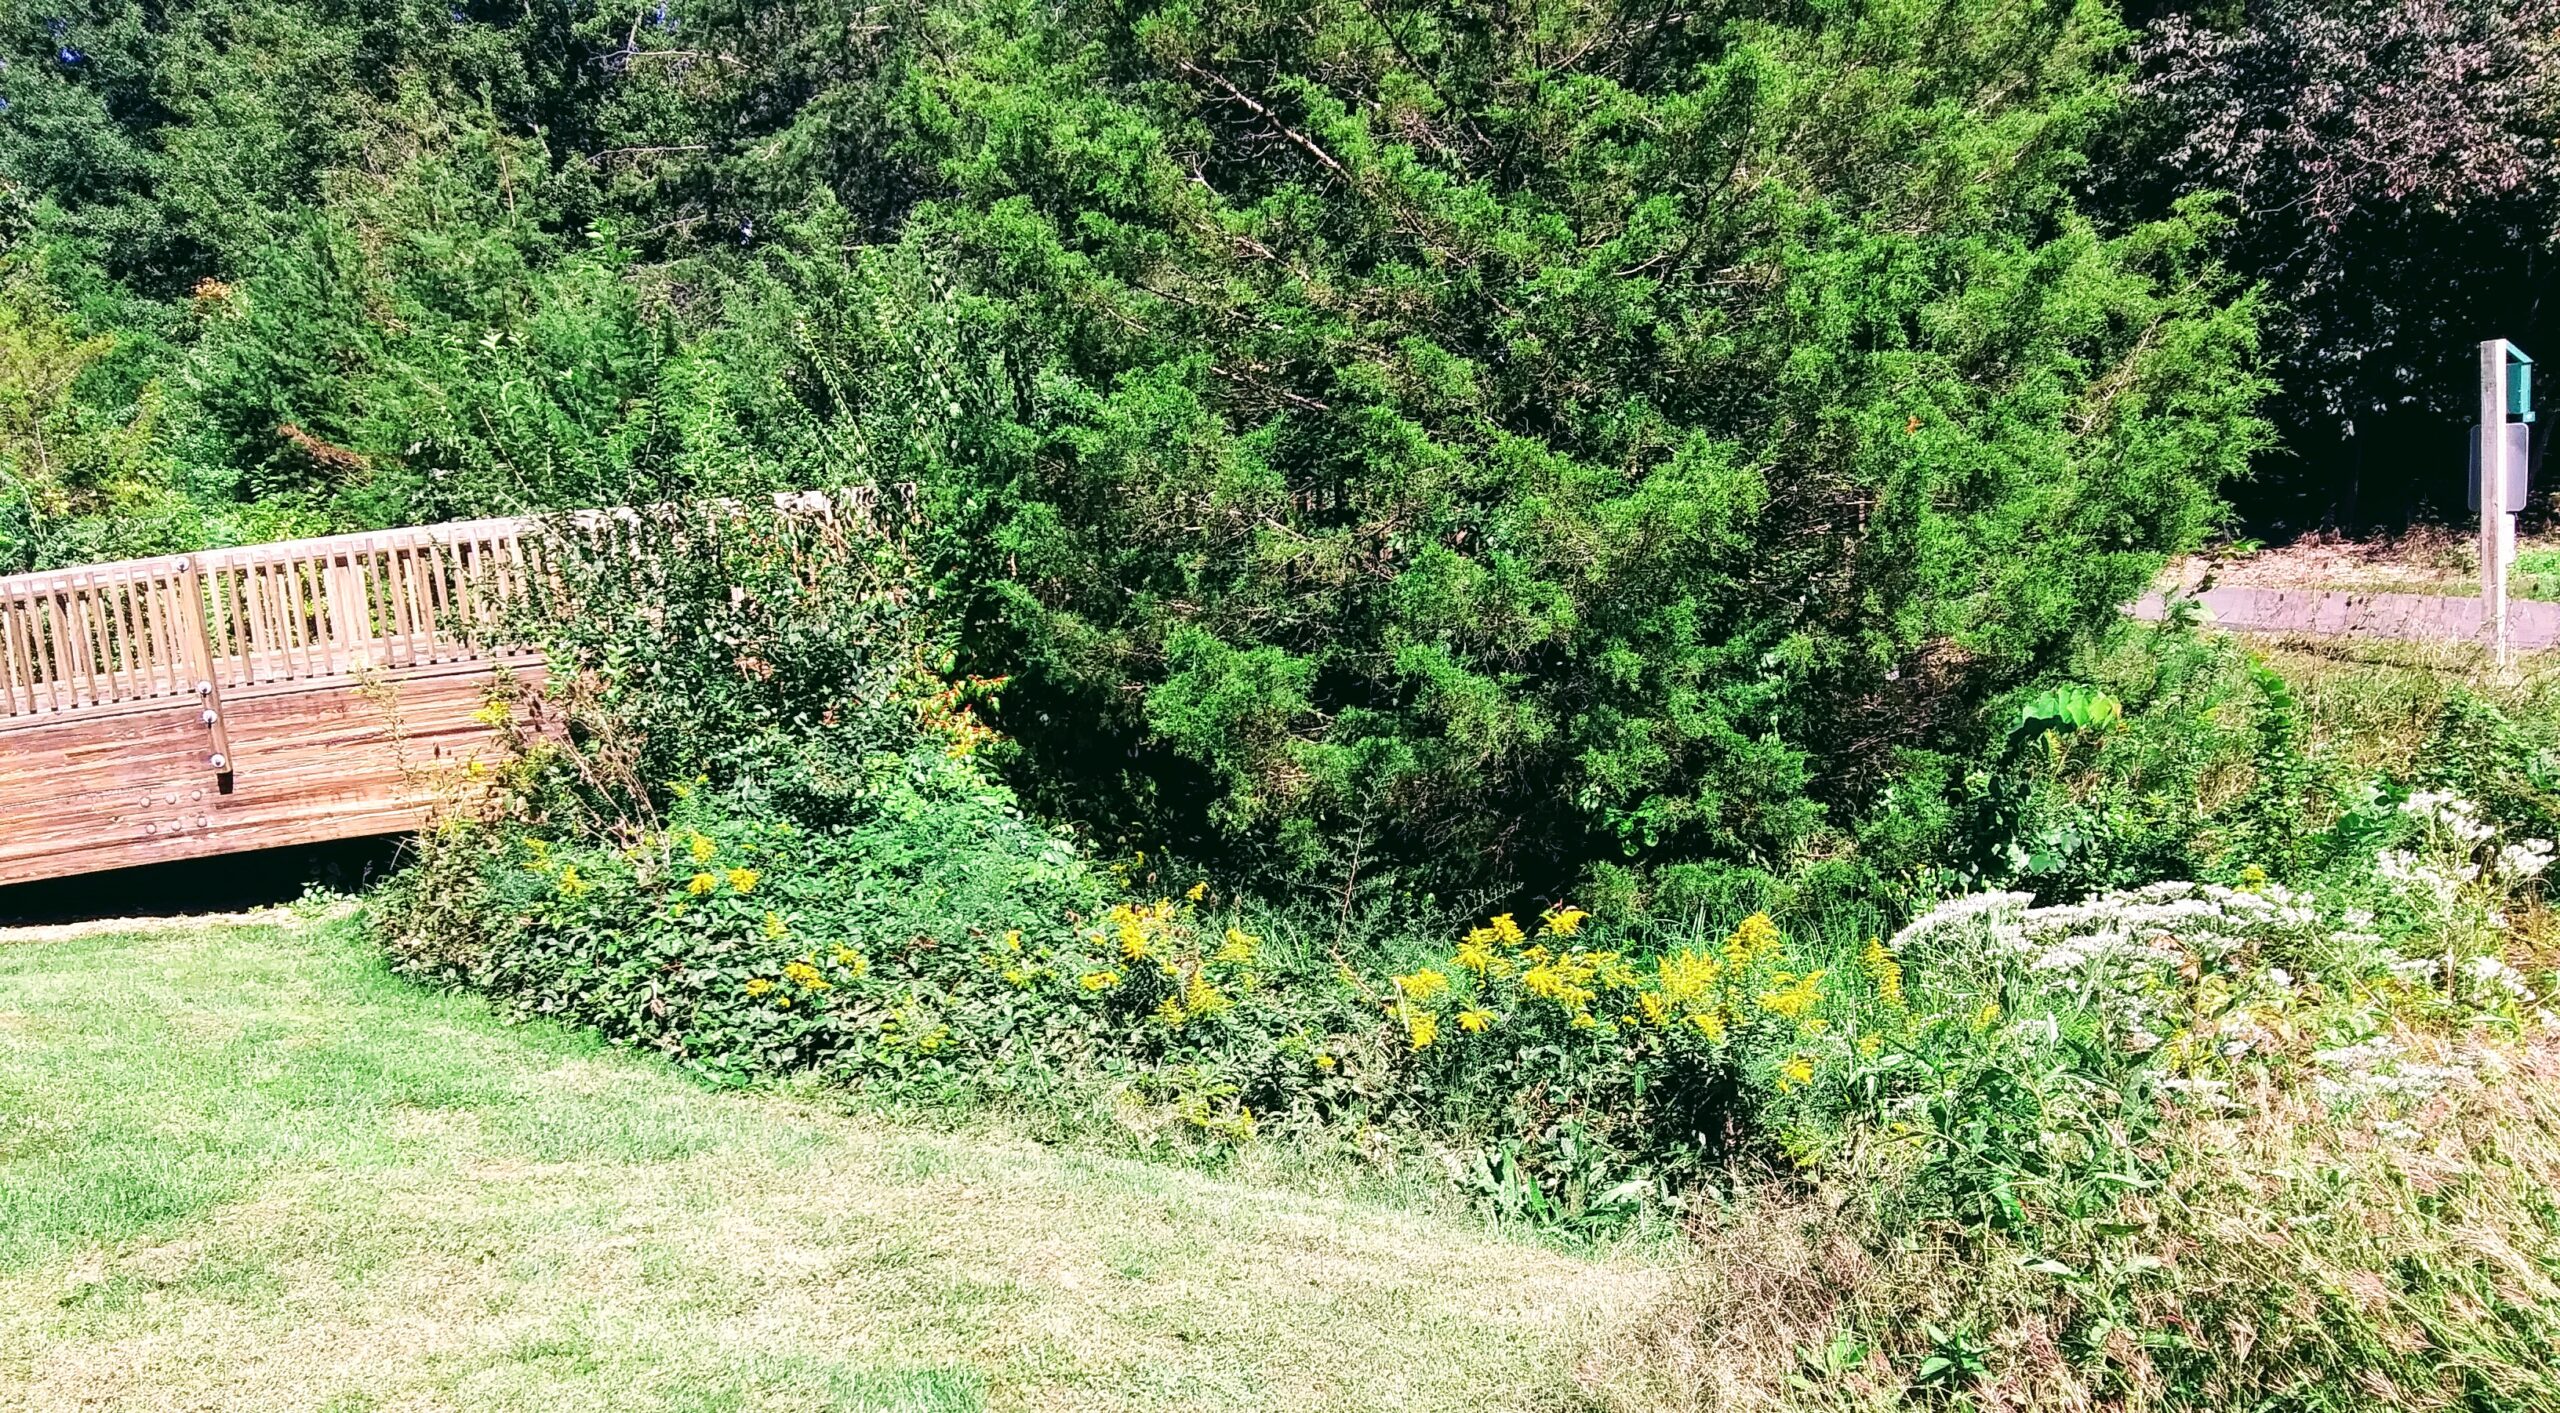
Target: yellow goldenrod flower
(1987,1017)
(1884,971)
(1013,939)
(774,931)
(1137,928)
(571,885)
(1793,997)
(703,848)
(1475,956)
(1756,939)
(1198,891)
(1474,1019)
(1507,930)
(1797,1070)
(1098,980)
(1169,1012)
(1422,1027)
(702,883)
(1656,1007)
(1564,922)
(743,880)
(1325,1062)
(757,986)
(1687,975)
(1422,985)
(1239,946)
(1563,980)
(805,976)
(1710,1024)
(1203,999)
(1869,1044)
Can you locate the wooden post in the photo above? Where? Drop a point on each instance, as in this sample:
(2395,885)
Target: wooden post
(198,646)
(2496,546)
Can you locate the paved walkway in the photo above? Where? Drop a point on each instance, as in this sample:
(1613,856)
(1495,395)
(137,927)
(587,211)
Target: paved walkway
(2531,624)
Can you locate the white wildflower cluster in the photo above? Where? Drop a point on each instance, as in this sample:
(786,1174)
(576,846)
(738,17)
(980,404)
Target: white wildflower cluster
(2211,1093)
(2438,884)
(2491,979)
(2376,1076)
(2122,951)
(2356,929)
(2451,815)
(2456,831)
(2415,971)
(2525,861)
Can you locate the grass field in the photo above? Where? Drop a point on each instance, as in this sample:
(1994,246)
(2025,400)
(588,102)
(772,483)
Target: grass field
(242,1167)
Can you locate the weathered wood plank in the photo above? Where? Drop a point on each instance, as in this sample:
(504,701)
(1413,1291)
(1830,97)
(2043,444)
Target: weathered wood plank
(315,761)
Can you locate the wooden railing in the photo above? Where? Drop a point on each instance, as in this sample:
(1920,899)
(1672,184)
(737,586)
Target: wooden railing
(310,611)
(230,620)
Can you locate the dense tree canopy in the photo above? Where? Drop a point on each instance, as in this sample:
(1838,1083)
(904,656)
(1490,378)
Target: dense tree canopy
(2392,168)
(1513,436)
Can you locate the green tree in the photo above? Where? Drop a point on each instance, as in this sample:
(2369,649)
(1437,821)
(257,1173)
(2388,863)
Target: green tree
(1554,434)
(71,452)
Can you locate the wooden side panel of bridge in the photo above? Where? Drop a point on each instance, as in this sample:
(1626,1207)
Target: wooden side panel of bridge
(245,699)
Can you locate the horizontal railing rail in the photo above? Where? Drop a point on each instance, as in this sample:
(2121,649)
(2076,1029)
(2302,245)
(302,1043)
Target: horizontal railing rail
(311,610)
(174,626)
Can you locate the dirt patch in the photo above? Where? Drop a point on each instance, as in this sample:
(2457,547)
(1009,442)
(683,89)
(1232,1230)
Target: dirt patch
(2428,559)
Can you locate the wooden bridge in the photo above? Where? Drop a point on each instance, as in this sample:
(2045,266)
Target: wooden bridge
(240,699)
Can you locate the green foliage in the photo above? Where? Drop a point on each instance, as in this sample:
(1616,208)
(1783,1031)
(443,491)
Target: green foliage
(2511,769)
(1359,433)
(2079,708)
(2210,767)
(764,842)
(1407,432)
(77,472)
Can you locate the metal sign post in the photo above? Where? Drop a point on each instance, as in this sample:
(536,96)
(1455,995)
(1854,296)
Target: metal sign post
(2497,542)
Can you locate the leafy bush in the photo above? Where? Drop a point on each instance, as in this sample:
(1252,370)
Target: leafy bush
(2204,1146)
(766,842)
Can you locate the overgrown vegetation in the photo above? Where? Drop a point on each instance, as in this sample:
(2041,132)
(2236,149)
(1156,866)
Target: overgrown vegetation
(2194,948)
(1529,596)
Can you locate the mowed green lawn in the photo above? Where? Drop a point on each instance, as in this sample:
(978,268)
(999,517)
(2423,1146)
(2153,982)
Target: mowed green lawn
(243,1167)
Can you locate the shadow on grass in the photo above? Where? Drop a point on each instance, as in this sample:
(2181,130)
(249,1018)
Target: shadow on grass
(225,884)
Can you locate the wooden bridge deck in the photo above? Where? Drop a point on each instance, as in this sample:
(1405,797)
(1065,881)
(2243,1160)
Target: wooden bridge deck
(244,699)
